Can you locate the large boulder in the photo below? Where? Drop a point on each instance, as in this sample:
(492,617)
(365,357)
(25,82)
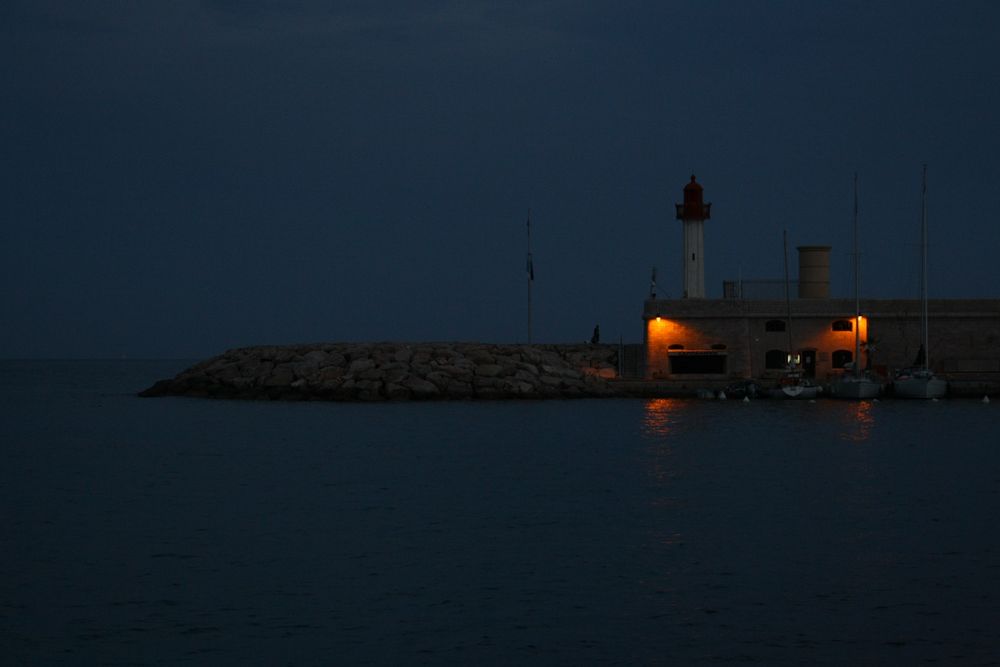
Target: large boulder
(489,370)
(421,388)
(360,365)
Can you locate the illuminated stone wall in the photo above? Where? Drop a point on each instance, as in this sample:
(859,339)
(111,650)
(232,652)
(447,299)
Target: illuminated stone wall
(964,334)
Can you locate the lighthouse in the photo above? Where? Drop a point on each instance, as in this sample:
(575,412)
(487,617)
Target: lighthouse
(693,213)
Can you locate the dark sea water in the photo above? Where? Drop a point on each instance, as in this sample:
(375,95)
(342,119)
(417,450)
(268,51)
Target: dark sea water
(185,531)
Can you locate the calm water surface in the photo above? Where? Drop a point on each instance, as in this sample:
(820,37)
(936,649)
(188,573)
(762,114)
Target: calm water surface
(185,531)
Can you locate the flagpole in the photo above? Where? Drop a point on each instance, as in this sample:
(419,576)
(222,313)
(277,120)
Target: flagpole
(531,276)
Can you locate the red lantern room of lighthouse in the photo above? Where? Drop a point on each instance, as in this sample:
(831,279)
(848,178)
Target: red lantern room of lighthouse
(693,213)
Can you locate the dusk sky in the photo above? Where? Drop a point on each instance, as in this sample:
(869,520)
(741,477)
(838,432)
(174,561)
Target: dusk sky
(183,177)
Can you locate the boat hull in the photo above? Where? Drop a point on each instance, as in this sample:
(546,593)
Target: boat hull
(795,391)
(920,387)
(856,388)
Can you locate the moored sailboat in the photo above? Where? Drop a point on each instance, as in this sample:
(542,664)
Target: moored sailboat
(793,383)
(919,381)
(855,383)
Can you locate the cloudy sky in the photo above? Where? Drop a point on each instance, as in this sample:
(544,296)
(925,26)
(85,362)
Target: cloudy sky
(183,177)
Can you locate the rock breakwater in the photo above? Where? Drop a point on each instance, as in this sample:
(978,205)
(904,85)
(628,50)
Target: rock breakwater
(399,372)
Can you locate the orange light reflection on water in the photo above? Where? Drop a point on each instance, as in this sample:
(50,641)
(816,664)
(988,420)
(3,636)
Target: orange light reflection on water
(659,422)
(658,417)
(862,419)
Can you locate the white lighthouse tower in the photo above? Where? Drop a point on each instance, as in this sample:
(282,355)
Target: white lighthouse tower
(693,213)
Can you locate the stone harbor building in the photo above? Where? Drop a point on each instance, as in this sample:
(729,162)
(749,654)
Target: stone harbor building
(748,334)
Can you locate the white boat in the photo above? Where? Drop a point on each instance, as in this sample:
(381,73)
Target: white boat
(794,385)
(855,386)
(920,381)
(856,383)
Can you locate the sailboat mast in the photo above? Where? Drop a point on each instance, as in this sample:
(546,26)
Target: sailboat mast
(531,275)
(923,266)
(788,300)
(857,285)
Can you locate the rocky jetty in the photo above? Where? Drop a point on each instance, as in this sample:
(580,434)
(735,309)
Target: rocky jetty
(399,372)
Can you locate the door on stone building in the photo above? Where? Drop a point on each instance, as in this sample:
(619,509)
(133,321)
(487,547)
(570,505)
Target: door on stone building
(808,363)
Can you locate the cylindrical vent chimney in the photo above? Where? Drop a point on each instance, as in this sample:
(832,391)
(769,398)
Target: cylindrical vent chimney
(814,271)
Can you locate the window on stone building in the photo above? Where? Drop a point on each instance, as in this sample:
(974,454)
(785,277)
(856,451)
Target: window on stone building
(774,325)
(842,325)
(697,363)
(841,358)
(775,359)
